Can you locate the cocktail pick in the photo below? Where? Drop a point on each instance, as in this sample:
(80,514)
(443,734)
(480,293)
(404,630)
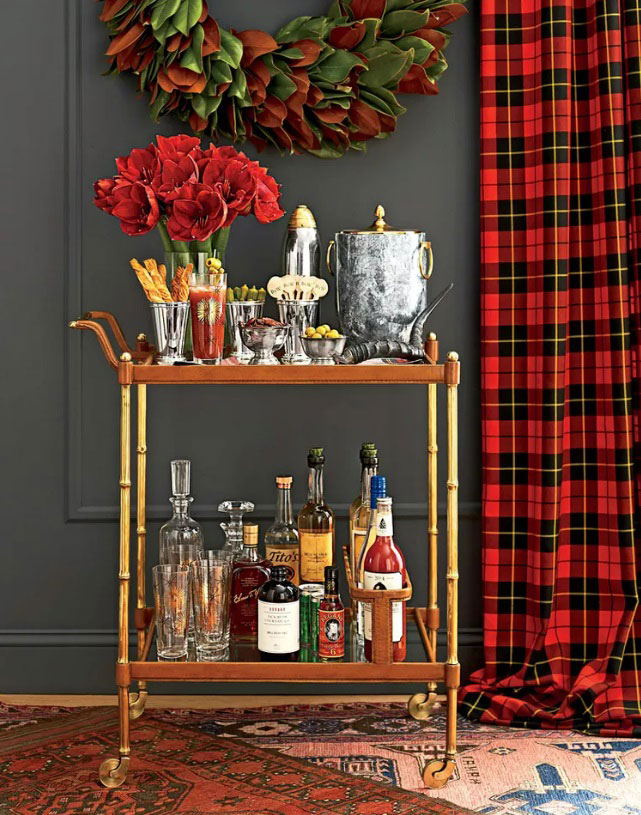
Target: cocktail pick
(289,287)
(306,286)
(320,287)
(275,287)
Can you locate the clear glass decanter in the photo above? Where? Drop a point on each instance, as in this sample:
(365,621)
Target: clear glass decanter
(181,538)
(233,528)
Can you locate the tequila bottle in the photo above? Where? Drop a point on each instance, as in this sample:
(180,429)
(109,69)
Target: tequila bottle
(281,539)
(181,538)
(363,455)
(360,520)
(249,572)
(315,524)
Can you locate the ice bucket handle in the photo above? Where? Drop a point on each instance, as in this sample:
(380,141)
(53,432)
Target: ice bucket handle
(332,245)
(425,248)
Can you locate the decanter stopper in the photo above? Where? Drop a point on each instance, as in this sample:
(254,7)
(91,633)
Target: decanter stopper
(180,477)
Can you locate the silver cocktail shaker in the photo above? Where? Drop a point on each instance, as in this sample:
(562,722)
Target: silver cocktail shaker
(301,247)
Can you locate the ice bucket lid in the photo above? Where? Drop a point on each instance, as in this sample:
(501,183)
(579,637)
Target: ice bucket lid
(380,227)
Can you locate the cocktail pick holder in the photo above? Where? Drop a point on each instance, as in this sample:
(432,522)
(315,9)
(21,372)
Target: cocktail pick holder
(299,315)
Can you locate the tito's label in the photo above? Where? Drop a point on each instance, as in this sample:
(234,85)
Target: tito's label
(331,634)
(284,556)
(316,552)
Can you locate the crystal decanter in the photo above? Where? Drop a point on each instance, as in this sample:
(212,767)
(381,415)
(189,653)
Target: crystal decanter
(181,538)
(233,528)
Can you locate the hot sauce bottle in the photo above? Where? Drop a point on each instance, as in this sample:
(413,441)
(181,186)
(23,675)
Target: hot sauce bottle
(384,569)
(315,525)
(331,619)
(249,572)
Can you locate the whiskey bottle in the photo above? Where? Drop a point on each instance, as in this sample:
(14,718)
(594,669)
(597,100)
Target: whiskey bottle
(378,489)
(384,569)
(331,619)
(315,525)
(360,520)
(181,538)
(281,539)
(279,618)
(249,572)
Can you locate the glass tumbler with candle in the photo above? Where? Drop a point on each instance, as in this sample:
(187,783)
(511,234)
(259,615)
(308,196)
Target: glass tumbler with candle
(207,296)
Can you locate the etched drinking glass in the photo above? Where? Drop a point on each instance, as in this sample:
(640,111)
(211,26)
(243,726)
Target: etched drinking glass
(171,599)
(211,586)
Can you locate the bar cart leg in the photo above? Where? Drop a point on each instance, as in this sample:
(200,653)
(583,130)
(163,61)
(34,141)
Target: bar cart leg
(138,700)
(113,771)
(421,705)
(437,773)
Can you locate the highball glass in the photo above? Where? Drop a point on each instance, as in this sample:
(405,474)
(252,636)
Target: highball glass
(171,599)
(207,296)
(211,586)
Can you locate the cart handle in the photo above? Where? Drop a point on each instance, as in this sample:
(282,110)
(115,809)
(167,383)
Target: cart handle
(99,331)
(113,323)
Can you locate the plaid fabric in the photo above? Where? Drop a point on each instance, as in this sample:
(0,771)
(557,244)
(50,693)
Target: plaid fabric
(561,341)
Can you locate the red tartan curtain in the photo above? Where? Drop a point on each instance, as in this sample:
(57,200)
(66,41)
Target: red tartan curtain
(561,204)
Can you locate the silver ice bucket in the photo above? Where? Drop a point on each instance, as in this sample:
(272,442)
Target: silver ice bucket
(381,280)
(170,323)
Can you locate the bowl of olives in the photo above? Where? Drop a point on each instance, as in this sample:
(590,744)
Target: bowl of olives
(323,344)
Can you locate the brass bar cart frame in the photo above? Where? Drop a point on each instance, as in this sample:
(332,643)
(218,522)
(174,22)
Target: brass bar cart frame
(135,369)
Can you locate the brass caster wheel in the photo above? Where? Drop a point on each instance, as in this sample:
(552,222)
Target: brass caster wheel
(438,772)
(113,771)
(421,705)
(137,702)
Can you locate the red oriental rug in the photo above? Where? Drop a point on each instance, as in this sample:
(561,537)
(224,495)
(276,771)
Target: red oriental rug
(49,760)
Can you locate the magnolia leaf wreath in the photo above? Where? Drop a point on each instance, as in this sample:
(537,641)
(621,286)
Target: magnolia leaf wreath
(322,84)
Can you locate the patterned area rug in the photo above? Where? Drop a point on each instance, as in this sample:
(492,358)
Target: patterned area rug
(500,771)
(49,760)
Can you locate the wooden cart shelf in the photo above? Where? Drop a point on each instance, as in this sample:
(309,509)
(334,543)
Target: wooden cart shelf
(135,367)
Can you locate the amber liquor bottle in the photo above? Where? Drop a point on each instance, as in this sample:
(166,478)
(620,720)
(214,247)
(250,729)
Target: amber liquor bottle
(281,539)
(331,619)
(279,618)
(315,524)
(249,572)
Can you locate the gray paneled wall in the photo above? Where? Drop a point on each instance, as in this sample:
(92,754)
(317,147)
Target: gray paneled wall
(60,401)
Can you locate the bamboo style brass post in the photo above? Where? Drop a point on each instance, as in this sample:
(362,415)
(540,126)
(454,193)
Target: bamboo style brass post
(421,705)
(437,773)
(137,701)
(113,771)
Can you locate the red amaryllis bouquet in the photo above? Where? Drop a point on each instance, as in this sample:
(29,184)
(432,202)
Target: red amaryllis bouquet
(191,194)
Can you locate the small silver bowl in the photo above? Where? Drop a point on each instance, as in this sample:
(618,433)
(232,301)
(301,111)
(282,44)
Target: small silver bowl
(322,352)
(264,341)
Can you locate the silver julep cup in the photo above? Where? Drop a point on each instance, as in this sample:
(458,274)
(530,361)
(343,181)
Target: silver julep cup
(238,313)
(170,323)
(299,315)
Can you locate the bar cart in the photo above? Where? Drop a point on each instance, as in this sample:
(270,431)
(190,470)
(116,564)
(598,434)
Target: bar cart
(135,367)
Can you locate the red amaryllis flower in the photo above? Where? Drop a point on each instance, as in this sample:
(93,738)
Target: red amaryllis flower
(266,206)
(196,213)
(137,208)
(173,175)
(174,147)
(139,165)
(104,198)
(236,183)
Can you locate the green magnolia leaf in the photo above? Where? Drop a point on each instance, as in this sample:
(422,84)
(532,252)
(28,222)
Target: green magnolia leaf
(189,60)
(337,66)
(238,87)
(231,48)
(187,15)
(328,150)
(382,100)
(219,72)
(385,66)
(371,34)
(162,12)
(199,104)
(397,23)
(422,49)
(158,105)
(305,28)
(291,53)
(281,86)
(435,71)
